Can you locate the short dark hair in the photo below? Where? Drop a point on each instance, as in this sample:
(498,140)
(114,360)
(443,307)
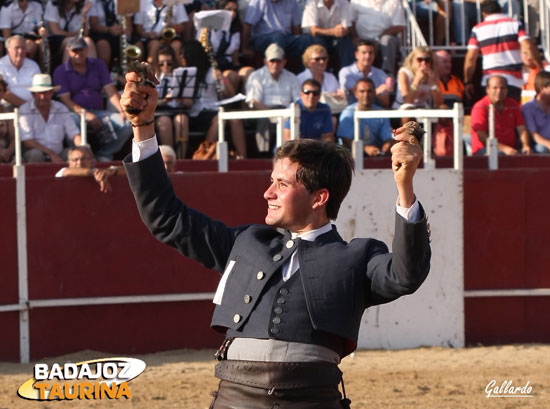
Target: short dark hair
(321,165)
(312,82)
(368,42)
(367,80)
(542,80)
(490,7)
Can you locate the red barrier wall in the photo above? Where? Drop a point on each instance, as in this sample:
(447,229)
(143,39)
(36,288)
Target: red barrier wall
(82,243)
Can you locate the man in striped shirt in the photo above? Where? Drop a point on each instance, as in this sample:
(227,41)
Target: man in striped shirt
(500,40)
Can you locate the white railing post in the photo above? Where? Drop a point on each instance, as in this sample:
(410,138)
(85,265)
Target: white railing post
(544,15)
(22,257)
(294,120)
(83,131)
(221,147)
(429,162)
(492,142)
(279,140)
(357,145)
(458,124)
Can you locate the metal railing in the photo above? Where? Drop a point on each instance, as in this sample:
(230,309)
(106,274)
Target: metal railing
(514,10)
(426,116)
(292,112)
(413,34)
(544,16)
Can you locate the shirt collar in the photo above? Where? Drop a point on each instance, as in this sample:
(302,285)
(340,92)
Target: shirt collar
(313,234)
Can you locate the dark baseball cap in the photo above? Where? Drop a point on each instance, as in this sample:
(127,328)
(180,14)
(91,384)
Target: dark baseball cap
(76,43)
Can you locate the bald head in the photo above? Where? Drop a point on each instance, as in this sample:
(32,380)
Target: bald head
(444,64)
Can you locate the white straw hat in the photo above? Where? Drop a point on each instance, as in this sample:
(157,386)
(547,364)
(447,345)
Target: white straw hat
(42,83)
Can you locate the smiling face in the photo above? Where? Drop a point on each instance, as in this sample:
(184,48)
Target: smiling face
(497,89)
(318,61)
(17,52)
(365,94)
(289,204)
(365,55)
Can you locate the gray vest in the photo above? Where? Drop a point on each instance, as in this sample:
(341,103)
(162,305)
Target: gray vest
(281,313)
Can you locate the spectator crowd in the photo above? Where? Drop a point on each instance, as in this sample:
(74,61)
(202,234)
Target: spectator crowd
(64,58)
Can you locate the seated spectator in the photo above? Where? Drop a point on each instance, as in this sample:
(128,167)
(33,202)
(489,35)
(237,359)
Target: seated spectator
(418,81)
(268,22)
(508,120)
(17,71)
(532,64)
(499,38)
(7,142)
(212,87)
(45,123)
(381,21)
(65,19)
(171,120)
(82,163)
(537,113)
(450,86)
(452,89)
(22,17)
(365,52)
(106,29)
(82,81)
(329,22)
(169,158)
(226,46)
(153,18)
(376,133)
(315,117)
(315,59)
(269,87)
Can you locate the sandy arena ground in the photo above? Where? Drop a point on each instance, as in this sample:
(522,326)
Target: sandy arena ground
(418,378)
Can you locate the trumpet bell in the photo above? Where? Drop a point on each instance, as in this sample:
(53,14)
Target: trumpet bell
(132,52)
(168,33)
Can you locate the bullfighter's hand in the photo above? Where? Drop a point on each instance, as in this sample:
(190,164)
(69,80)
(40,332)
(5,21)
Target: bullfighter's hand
(406,155)
(139,99)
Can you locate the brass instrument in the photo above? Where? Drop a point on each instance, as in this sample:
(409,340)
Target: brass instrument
(128,52)
(205,42)
(168,33)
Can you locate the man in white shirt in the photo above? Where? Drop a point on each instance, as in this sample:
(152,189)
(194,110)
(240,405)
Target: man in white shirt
(329,22)
(17,71)
(45,123)
(271,86)
(381,20)
(21,17)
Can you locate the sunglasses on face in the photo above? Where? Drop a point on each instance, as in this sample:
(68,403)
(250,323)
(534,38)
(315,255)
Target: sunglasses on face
(320,59)
(424,59)
(315,92)
(168,63)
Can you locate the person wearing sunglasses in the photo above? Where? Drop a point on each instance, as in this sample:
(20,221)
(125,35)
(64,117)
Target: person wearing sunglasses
(315,59)
(315,117)
(172,124)
(418,81)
